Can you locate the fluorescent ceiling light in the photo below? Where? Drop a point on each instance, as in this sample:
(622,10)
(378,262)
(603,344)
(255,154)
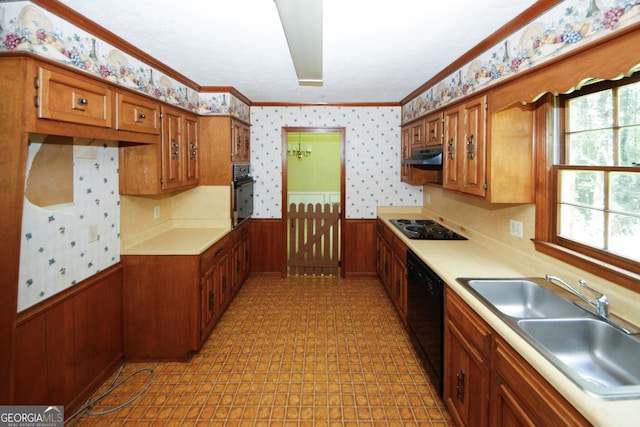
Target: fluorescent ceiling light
(302,24)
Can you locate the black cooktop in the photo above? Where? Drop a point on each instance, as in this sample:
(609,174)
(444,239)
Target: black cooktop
(425,229)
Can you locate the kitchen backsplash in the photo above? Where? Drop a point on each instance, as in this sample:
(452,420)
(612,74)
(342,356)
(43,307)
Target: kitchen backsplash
(55,252)
(372,154)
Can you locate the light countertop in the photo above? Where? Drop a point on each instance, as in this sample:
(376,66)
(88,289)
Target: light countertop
(468,258)
(177,241)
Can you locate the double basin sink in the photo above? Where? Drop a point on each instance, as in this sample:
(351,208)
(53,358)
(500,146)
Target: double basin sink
(598,357)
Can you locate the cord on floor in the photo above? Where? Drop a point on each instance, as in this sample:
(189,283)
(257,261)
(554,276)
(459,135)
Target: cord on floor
(86,408)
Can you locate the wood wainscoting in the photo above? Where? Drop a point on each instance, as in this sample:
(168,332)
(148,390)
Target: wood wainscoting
(68,345)
(359,257)
(269,248)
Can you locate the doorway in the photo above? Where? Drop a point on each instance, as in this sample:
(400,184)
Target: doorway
(313,183)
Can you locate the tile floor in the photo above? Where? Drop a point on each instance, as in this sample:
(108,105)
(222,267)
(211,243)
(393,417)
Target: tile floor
(315,351)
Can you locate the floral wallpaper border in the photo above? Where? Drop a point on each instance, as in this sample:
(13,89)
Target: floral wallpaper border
(570,24)
(29,28)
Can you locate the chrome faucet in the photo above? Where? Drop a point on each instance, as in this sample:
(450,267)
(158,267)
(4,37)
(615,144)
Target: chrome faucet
(600,303)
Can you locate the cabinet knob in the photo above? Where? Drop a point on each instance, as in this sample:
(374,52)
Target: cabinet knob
(83,101)
(141,116)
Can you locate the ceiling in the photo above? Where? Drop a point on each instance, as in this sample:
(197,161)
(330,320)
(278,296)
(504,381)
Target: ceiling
(374,51)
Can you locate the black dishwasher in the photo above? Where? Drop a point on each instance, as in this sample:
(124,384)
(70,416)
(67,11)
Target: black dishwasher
(425,316)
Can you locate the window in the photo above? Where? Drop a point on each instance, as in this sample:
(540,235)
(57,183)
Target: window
(596,208)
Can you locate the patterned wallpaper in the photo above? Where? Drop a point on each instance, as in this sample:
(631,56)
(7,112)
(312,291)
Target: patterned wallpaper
(27,27)
(372,156)
(570,24)
(55,252)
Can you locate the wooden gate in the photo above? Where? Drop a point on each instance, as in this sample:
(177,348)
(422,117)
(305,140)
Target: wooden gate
(314,240)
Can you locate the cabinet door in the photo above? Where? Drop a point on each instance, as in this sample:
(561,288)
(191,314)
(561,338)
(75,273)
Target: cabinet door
(417,135)
(246,143)
(506,409)
(466,380)
(433,129)
(236,141)
(208,304)
(472,152)
(521,394)
(400,285)
(192,153)
(172,150)
(405,153)
(223,279)
(452,123)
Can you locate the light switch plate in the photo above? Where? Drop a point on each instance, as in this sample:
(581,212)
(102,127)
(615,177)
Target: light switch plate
(92,233)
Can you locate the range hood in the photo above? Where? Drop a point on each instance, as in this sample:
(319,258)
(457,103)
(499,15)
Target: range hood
(427,157)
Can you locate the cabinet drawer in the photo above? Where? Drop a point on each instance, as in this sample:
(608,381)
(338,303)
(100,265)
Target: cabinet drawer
(73,98)
(211,256)
(137,114)
(399,248)
(474,329)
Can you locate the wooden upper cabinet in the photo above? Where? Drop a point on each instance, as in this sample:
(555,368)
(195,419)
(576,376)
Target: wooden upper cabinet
(417,137)
(509,155)
(472,150)
(224,140)
(464,151)
(192,154)
(173,149)
(171,165)
(433,125)
(137,114)
(73,98)
(413,137)
(489,154)
(452,120)
(405,153)
(240,142)
(180,154)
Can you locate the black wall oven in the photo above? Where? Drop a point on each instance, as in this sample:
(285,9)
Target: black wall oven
(425,316)
(241,194)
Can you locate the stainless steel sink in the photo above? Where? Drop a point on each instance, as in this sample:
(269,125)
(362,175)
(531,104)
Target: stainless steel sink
(599,358)
(523,298)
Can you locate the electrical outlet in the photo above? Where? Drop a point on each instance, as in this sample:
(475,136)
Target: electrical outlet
(515,227)
(92,233)
(156,212)
(428,198)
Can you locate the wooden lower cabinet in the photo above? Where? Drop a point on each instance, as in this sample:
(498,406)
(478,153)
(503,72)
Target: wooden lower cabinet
(391,265)
(466,363)
(240,256)
(520,396)
(172,302)
(487,383)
